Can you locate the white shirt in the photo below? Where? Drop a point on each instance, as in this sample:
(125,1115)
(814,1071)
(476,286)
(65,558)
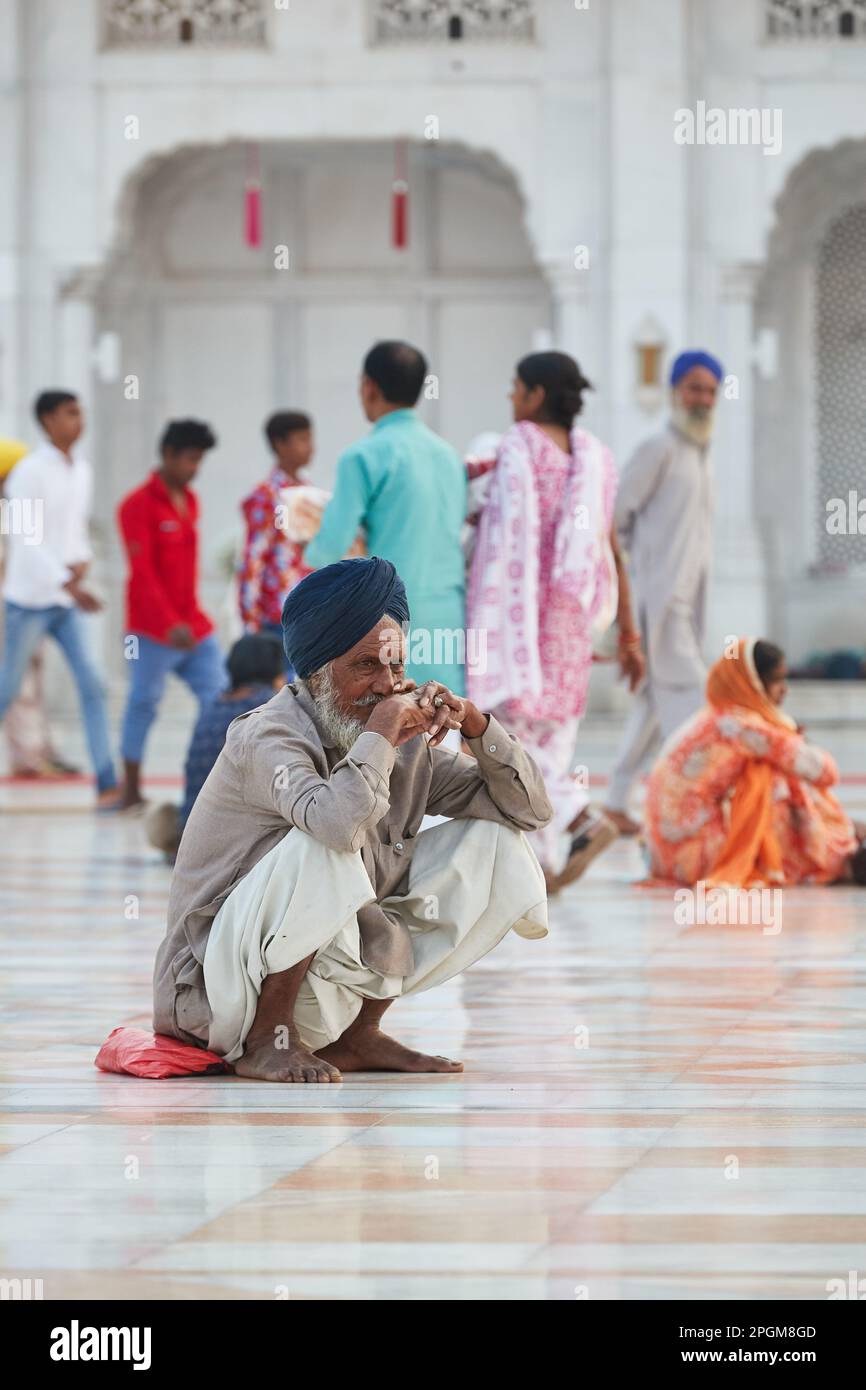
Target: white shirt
(44,518)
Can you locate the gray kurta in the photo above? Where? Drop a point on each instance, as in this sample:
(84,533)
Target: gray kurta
(664,516)
(274,773)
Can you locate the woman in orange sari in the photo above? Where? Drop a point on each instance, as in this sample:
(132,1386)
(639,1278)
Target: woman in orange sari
(738,797)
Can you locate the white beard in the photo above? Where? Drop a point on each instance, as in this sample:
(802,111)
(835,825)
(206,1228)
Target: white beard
(339,728)
(697,425)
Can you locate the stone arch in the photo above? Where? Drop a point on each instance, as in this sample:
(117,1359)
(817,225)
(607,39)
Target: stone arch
(212,329)
(824,183)
(507,152)
(805,587)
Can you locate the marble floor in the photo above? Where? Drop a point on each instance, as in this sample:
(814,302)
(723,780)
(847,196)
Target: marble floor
(649,1109)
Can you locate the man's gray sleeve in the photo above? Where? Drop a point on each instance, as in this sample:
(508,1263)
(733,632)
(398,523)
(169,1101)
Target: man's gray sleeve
(337,810)
(500,783)
(638,481)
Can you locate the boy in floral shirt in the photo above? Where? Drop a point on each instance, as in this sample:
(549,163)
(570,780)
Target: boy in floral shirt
(272,563)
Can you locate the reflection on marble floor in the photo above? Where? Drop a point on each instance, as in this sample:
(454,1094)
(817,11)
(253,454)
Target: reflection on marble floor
(709,1140)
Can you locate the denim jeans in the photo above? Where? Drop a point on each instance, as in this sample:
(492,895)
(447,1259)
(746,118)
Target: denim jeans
(25,629)
(200,667)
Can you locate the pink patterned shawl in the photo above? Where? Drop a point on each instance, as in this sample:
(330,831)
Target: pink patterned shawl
(542,581)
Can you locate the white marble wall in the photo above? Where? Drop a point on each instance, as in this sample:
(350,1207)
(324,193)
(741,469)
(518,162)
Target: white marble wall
(211,327)
(581,122)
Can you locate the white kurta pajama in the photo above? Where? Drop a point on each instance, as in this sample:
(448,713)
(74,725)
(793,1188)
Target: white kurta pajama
(471,881)
(664,516)
(293,849)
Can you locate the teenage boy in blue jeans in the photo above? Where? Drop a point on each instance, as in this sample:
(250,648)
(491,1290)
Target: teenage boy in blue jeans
(167,630)
(47,502)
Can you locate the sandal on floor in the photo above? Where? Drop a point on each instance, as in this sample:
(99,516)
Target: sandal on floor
(587,845)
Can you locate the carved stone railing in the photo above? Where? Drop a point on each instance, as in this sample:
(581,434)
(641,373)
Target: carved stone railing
(815,19)
(449,21)
(164,23)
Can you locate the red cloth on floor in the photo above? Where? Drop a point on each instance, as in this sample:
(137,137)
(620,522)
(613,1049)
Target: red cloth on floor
(138,1053)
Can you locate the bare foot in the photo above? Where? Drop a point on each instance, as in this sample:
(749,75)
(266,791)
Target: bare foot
(585,847)
(43,772)
(551,882)
(581,821)
(110,800)
(368,1049)
(624,823)
(61,768)
(264,1062)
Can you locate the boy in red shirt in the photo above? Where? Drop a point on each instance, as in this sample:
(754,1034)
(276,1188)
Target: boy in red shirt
(167,631)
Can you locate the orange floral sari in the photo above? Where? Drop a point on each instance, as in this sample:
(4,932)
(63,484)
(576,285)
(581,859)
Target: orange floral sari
(752,849)
(739,798)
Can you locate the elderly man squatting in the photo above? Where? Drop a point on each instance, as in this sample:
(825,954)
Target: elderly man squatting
(304,899)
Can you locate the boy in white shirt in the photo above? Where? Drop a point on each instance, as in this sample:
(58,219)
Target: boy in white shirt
(46,515)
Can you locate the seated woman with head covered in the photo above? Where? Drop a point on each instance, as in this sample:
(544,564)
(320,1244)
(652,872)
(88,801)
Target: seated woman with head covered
(739,798)
(304,898)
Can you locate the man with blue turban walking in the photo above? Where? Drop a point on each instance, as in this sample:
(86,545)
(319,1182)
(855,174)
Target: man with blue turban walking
(664,517)
(305,896)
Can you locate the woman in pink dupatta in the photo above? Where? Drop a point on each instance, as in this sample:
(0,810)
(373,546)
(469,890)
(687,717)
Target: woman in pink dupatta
(546,578)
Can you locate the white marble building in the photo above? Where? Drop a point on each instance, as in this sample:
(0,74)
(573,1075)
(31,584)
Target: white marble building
(551,202)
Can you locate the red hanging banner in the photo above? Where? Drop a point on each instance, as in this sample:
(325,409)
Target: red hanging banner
(400,197)
(253,200)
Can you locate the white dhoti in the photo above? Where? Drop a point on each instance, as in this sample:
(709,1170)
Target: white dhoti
(470,882)
(672,692)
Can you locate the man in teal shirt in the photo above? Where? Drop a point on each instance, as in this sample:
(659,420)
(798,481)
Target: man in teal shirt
(407,488)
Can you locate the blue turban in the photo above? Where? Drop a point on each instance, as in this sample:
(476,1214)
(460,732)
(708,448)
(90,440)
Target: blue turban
(687,360)
(334,607)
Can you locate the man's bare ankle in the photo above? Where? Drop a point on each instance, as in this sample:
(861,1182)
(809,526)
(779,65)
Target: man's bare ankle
(284,1041)
(360,1026)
